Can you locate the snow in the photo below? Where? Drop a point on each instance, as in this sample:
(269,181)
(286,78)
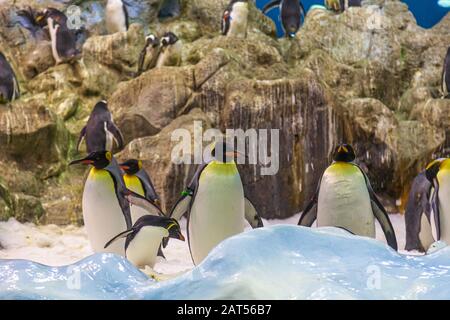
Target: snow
(276,262)
(57,246)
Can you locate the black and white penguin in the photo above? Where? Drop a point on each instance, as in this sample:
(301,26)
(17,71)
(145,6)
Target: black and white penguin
(292,14)
(345,198)
(143,240)
(137,180)
(100,131)
(341,5)
(445,87)
(438,173)
(417,215)
(9,86)
(26,18)
(215,204)
(63,39)
(116,16)
(170,50)
(235,19)
(149,54)
(106,209)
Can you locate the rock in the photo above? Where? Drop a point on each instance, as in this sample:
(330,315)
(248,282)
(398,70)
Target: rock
(169,178)
(110,59)
(39,59)
(27,208)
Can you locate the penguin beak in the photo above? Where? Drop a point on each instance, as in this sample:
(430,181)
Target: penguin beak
(85,161)
(342,149)
(180,236)
(235,154)
(124,167)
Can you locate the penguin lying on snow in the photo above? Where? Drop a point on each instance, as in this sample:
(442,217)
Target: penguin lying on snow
(170,50)
(292,14)
(417,215)
(137,180)
(445,85)
(116,16)
(344,198)
(235,19)
(215,204)
(341,5)
(143,240)
(64,42)
(106,210)
(149,54)
(9,86)
(438,173)
(100,130)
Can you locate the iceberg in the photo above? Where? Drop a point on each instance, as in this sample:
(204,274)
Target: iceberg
(277,262)
(444,3)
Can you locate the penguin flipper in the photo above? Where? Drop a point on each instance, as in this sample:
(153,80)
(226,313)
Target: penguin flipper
(160,252)
(309,215)
(144,203)
(121,190)
(116,133)
(435,208)
(383,218)
(81,137)
(119,236)
(149,189)
(181,207)
(271,5)
(251,215)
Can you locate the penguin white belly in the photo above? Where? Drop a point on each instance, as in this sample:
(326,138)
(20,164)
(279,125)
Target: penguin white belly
(103,217)
(143,249)
(115,17)
(239,18)
(344,200)
(426,233)
(444,203)
(218,209)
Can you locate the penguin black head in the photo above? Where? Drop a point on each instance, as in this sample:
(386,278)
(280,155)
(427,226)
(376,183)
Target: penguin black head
(58,17)
(432,169)
(131,166)
(99,159)
(170,224)
(168,39)
(152,40)
(223,152)
(101,106)
(344,153)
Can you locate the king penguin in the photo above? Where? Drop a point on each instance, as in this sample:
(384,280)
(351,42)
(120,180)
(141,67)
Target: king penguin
(149,54)
(9,86)
(438,173)
(341,5)
(292,14)
(215,204)
(170,50)
(144,239)
(116,16)
(344,198)
(445,87)
(100,130)
(235,19)
(63,39)
(137,180)
(106,210)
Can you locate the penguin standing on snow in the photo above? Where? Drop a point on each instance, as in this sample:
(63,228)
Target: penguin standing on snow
(235,19)
(445,87)
(341,5)
(149,54)
(144,239)
(9,86)
(292,14)
(215,204)
(137,180)
(64,42)
(100,130)
(106,209)
(344,198)
(438,173)
(116,16)
(170,50)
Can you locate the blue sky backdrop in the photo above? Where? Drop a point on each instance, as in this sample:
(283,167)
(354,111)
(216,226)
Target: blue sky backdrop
(427,12)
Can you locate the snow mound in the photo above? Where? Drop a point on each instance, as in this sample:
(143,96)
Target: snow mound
(278,262)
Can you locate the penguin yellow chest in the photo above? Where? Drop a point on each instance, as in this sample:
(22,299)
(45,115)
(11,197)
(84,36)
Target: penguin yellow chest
(443,178)
(134,184)
(218,209)
(102,214)
(344,200)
